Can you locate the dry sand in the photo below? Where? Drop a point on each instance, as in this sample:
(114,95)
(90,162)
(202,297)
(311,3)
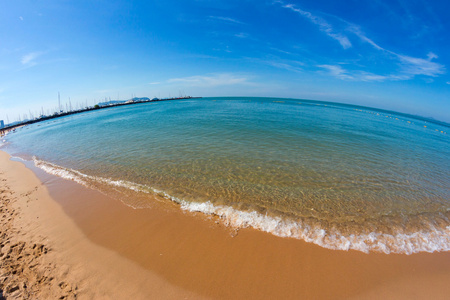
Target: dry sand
(92,247)
(44,255)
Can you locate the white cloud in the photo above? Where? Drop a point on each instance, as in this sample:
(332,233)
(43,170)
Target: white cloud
(226,19)
(324,26)
(407,66)
(365,76)
(336,71)
(358,75)
(290,65)
(210,80)
(283,65)
(281,51)
(29,59)
(357,31)
(420,66)
(242,35)
(21,18)
(410,66)
(431,56)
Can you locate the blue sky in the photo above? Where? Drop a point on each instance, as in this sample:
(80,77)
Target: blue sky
(385,54)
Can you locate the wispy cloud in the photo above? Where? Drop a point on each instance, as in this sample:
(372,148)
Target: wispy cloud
(283,65)
(431,56)
(211,80)
(242,35)
(358,32)
(286,64)
(357,75)
(324,26)
(420,66)
(410,65)
(21,18)
(281,51)
(336,71)
(226,19)
(29,59)
(407,67)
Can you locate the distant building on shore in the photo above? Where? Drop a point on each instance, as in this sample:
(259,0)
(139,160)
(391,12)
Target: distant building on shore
(2,124)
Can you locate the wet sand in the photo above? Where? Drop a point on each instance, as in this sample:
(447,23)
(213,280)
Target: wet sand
(101,248)
(45,255)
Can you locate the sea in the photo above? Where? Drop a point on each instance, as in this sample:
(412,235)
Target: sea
(340,176)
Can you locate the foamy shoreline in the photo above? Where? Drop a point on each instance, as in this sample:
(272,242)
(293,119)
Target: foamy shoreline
(105,249)
(45,256)
(430,240)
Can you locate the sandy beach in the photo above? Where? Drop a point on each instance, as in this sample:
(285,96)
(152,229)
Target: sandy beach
(44,255)
(63,241)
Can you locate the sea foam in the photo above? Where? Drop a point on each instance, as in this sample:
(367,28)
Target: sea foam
(430,239)
(84,179)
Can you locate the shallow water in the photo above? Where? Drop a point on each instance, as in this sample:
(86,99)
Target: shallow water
(341,176)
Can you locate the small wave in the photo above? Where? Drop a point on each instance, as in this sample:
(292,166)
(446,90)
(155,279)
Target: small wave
(3,141)
(91,181)
(430,239)
(18,158)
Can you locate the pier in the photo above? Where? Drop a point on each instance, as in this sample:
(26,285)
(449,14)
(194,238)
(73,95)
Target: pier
(104,105)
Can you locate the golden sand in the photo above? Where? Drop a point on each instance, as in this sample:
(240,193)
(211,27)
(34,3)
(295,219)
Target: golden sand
(65,264)
(91,247)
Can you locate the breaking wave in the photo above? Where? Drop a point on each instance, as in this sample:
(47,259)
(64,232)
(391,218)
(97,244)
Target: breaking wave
(432,237)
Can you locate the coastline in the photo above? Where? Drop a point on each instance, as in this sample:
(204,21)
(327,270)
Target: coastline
(60,114)
(100,248)
(65,263)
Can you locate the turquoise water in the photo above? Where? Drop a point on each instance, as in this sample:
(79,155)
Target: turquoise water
(341,176)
